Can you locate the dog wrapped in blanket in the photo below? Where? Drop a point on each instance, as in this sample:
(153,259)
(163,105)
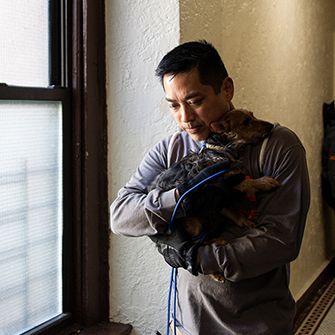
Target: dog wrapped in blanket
(209,206)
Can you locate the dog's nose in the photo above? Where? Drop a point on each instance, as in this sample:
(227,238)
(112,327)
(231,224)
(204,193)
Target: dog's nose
(217,127)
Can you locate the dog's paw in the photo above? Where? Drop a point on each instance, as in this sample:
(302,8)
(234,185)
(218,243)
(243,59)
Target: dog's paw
(262,184)
(218,277)
(249,224)
(267,183)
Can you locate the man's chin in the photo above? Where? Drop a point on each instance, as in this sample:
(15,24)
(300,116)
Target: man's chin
(200,136)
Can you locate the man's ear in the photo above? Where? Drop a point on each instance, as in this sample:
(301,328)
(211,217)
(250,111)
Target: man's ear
(227,88)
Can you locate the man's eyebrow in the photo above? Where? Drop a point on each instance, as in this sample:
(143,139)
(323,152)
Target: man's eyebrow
(190,95)
(169,100)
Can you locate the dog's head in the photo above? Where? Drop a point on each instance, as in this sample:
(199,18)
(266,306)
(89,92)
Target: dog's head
(241,126)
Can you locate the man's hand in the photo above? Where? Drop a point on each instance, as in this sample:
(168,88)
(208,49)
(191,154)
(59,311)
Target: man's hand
(177,250)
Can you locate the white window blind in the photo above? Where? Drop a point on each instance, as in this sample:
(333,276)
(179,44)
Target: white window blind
(24,42)
(30,214)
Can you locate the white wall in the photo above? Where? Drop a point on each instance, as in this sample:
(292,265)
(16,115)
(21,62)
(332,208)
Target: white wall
(139,33)
(280,55)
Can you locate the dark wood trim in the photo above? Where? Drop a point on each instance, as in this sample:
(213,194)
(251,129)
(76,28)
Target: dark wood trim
(33,93)
(90,163)
(87,227)
(55,45)
(313,293)
(50,326)
(76,78)
(104,328)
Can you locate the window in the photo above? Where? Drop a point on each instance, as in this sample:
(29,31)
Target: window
(53,179)
(32,216)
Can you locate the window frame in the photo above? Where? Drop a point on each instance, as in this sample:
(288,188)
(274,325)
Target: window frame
(62,95)
(81,86)
(88,79)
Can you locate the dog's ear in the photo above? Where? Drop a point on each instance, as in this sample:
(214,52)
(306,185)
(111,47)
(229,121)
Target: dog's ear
(221,126)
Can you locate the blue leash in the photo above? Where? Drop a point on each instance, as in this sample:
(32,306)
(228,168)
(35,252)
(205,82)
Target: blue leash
(173,275)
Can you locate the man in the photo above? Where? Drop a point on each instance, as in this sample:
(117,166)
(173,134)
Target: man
(254,299)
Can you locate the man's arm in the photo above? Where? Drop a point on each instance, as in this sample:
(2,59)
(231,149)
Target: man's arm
(277,239)
(137,211)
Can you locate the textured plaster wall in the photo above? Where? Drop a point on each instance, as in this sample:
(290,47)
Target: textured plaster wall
(138,33)
(280,55)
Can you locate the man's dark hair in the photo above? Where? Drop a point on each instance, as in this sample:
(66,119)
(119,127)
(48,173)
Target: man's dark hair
(197,54)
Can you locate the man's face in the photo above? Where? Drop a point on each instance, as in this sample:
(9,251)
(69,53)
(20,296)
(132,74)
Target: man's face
(194,105)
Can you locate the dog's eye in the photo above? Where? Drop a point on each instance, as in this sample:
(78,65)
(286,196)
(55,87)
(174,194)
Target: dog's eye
(247,121)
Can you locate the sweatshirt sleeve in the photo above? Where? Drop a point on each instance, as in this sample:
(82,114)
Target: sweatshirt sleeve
(277,238)
(137,211)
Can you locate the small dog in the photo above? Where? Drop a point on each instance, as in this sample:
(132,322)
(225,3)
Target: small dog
(205,215)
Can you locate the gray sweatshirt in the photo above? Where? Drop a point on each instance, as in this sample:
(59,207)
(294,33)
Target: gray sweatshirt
(255,298)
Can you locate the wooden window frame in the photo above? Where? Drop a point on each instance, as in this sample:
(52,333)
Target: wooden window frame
(91,225)
(86,78)
(86,300)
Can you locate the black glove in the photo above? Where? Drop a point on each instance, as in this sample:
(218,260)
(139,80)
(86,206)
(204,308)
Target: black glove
(177,250)
(213,194)
(202,175)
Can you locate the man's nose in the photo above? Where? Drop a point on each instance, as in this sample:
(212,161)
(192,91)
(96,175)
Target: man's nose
(187,113)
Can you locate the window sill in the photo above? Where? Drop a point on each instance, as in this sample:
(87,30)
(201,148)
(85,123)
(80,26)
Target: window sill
(110,328)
